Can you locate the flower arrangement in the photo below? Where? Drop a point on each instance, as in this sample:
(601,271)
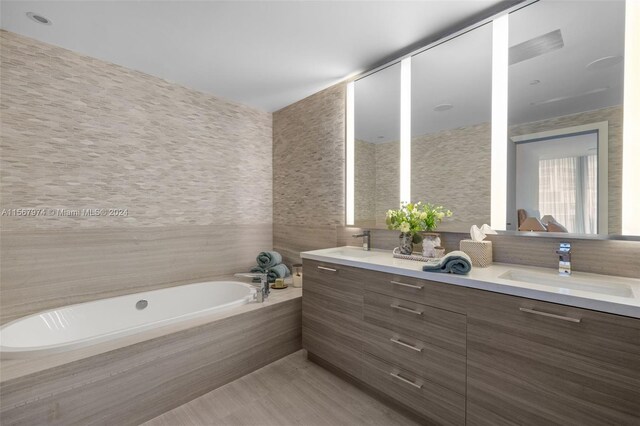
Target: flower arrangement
(413,218)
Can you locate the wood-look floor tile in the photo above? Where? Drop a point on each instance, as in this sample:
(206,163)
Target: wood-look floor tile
(290,391)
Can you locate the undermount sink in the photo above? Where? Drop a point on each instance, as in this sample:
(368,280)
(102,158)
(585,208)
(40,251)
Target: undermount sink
(351,252)
(570,282)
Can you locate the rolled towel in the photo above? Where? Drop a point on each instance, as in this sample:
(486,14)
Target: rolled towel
(278,271)
(257,270)
(268,259)
(456,262)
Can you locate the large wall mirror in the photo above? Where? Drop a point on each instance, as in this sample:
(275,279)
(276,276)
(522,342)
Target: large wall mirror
(377,146)
(566,80)
(557,150)
(451,128)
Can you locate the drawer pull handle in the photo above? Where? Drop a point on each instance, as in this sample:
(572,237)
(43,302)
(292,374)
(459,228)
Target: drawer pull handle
(324,268)
(417,287)
(402,308)
(406,345)
(547,314)
(407,381)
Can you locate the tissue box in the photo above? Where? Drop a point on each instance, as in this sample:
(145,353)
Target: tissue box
(480,252)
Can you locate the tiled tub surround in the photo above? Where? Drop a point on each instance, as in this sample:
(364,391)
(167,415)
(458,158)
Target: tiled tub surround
(135,378)
(43,269)
(192,170)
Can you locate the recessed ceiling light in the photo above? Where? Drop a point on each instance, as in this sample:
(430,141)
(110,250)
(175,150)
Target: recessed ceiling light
(534,82)
(606,62)
(38,18)
(442,107)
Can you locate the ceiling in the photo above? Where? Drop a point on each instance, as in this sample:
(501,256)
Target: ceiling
(458,72)
(265,54)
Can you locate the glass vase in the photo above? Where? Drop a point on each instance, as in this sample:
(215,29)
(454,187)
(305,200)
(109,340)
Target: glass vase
(430,243)
(406,243)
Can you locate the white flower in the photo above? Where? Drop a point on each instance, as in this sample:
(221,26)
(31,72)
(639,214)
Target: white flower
(404,227)
(440,215)
(423,215)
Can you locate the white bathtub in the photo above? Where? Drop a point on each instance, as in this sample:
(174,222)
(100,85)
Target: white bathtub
(84,324)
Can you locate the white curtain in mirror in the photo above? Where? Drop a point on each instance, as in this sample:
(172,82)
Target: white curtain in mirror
(567,190)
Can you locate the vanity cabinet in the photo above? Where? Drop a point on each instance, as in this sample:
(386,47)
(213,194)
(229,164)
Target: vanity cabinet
(332,315)
(538,363)
(405,338)
(455,355)
(416,354)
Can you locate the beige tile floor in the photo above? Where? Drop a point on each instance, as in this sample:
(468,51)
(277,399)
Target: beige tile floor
(290,391)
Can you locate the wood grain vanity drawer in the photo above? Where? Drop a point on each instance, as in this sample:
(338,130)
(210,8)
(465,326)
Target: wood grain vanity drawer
(532,362)
(435,326)
(342,282)
(332,303)
(438,365)
(439,295)
(338,319)
(325,347)
(437,404)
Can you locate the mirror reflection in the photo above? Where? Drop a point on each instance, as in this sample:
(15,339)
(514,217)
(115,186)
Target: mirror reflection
(451,128)
(377,146)
(565,117)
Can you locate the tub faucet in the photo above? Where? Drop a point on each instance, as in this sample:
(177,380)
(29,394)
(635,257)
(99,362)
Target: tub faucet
(564,261)
(262,292)
(366,239)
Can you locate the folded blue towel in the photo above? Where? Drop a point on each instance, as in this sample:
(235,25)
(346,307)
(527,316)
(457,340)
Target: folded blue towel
(278,271)
(268,259)
(456,262)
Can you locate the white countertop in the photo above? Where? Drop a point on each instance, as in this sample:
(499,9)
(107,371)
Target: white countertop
(581,289)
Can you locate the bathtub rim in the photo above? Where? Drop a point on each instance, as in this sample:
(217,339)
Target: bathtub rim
(12,353)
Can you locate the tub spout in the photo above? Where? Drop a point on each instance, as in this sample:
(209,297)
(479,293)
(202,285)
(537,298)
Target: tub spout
(262,292)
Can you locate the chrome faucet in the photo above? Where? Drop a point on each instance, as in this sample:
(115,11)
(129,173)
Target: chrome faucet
(564,262)
(262,291)
(366,239)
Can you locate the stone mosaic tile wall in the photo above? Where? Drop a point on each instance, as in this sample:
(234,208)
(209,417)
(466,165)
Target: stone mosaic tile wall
(82,133)
(308,160)
(387,180)
(192,170)
(453,168)
(308,173)
(365,183)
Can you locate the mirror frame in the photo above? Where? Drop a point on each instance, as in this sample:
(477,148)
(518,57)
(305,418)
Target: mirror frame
(602,129)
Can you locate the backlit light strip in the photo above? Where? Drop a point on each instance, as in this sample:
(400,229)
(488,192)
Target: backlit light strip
(499,129)
(405,130)
(631,129)
(350,155)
